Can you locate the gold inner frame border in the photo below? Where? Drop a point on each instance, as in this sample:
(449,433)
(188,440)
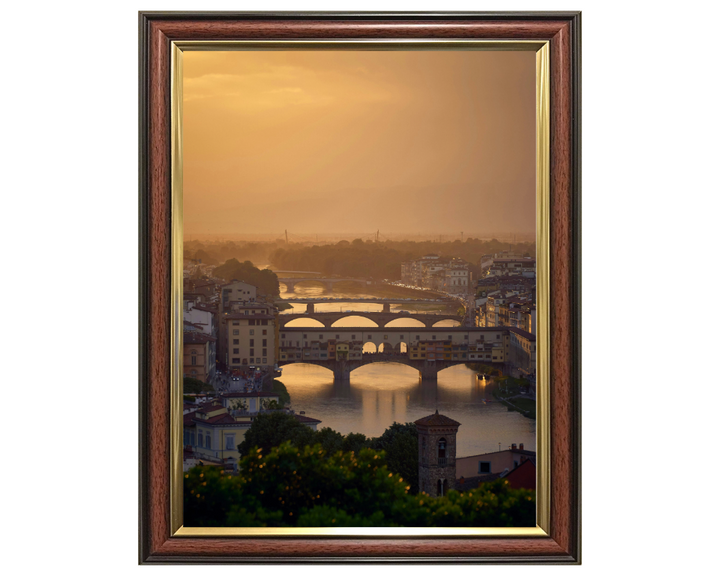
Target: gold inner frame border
(542,136)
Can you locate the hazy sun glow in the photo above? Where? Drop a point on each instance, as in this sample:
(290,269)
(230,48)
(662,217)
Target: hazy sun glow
(334,141)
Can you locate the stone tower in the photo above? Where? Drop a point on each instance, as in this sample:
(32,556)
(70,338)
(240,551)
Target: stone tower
(436,453)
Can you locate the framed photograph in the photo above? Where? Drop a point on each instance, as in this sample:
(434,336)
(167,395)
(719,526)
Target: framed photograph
(360,287)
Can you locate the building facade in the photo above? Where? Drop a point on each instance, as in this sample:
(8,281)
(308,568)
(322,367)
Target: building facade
(436,273)
(499,462)
(236,292)
(249,332)
(198,356)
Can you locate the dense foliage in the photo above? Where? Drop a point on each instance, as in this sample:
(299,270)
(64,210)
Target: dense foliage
(399,442)
(265,281)
(272,429)
(195,386)
(291,486)
(280,389)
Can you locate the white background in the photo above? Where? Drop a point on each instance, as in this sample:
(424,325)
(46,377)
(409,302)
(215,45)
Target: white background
(69,239)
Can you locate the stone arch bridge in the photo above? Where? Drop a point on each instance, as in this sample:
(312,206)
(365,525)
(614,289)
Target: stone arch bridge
(391,342)
(341,369)
(382,319)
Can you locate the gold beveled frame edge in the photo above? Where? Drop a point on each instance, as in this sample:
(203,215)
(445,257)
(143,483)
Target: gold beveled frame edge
(542,102)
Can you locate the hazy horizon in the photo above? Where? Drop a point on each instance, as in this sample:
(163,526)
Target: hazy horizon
(408,142)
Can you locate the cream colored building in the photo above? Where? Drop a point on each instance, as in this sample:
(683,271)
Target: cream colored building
(493,462)
(236,292)
(250,333)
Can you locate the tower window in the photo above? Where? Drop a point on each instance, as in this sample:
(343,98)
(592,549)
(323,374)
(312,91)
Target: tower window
(442,452)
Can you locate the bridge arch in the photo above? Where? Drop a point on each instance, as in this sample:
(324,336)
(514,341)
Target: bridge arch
(316,323)
(416,322)
(397,362)
(401,348)
(322,365)
(291,283)
(446,323)
(369,348)
(343,322)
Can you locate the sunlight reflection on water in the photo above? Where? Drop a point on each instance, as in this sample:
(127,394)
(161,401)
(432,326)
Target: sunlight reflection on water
(380,394)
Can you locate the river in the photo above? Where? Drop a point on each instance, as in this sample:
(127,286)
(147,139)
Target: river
(379,394)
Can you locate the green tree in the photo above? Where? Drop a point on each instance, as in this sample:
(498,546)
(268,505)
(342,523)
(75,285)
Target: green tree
(272,429)
(330,440)
(265,281)
(280,389)
(354,442)
(291,486)
(400,443)
(195,386)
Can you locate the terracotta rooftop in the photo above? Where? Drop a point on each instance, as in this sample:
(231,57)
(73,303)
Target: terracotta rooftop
(196,338)
(224,418)
(305,419)
(436,420)
(210,407)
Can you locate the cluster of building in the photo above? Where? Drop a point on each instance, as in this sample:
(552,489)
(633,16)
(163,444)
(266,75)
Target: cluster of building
(212,430)
(431,350)
(507,263)
(506,293)
(227,326)
(434,272)
(320,350)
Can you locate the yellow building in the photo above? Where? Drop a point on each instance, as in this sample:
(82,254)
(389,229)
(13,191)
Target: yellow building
(213,435)
(250,336)
(342,351)
(418,351)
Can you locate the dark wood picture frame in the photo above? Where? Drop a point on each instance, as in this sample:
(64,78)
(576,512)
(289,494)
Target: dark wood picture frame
(157,31)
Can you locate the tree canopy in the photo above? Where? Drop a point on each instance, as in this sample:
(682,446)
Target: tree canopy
(399,441)
(382,260)
(265,281)
(272,429)
(195,386)
(291,486)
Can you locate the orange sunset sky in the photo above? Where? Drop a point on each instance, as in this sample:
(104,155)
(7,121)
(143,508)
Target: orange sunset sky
(354,141)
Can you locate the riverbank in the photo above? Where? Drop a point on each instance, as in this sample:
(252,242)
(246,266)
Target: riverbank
(516,394)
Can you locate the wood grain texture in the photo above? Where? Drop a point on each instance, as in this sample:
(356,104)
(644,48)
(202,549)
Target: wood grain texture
(156,543)
(561,396)
(268,29)
(158,275)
